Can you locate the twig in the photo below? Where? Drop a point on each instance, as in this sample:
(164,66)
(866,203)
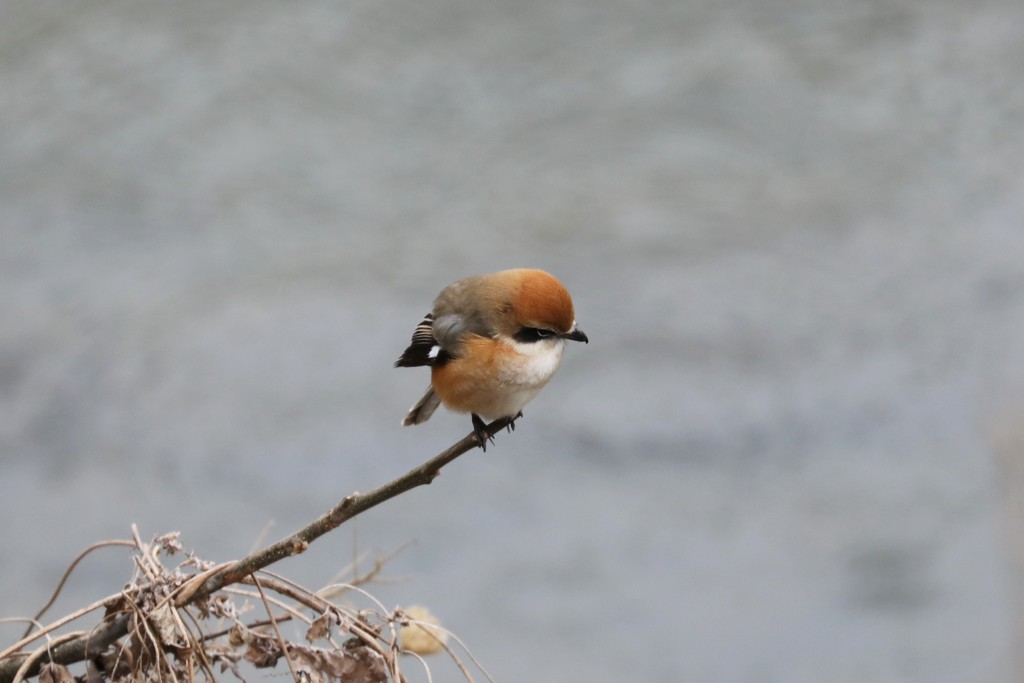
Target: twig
(252,626)
(34,658)
(429,628)
(145,560)
(277,631)
(67,574)
(199,650)
(468,652)
(115,627)
(349,507)
(447,648)
(54,626)
(291,612)
(331,591)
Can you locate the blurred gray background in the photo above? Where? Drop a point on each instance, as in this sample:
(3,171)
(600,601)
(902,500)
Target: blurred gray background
(793,231)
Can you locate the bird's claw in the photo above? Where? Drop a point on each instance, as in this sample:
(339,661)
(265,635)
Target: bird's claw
(481,433)
(480,430)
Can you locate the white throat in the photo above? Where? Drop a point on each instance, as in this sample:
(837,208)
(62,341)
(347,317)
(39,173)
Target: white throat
(542,359)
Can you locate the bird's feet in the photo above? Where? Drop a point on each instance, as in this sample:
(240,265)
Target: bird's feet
(480,429)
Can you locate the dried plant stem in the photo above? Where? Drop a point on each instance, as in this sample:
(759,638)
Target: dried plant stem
(67,574)
(36,656)
(277,631)
(115,626)
(54,626)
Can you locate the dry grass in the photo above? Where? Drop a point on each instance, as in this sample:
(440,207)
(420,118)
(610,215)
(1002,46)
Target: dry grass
(234,627)
(180,618)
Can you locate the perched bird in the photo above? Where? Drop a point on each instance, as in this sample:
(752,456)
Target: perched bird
(492,342)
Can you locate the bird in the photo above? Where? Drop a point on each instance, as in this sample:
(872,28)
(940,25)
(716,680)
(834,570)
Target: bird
(492,342)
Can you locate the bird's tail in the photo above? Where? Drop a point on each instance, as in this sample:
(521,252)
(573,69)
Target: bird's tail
(423,409)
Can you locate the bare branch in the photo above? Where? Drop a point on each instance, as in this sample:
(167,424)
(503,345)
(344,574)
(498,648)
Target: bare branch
(116,625)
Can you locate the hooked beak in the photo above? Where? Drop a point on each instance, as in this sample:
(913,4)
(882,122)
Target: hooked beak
(576,334)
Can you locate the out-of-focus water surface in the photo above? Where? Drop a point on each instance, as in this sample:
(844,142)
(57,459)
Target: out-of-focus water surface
(793,232)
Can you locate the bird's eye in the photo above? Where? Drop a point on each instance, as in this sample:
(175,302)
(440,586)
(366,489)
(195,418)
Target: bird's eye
(532,334)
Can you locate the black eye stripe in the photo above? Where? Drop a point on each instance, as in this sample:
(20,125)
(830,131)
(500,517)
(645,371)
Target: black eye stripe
(529,335)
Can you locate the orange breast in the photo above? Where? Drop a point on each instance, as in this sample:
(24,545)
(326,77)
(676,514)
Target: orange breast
(470,381)
(493,379)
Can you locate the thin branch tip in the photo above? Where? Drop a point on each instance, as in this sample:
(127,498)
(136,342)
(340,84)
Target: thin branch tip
(123,610)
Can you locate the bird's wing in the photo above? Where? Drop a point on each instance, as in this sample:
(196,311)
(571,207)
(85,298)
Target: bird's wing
(438,337)
(423,349)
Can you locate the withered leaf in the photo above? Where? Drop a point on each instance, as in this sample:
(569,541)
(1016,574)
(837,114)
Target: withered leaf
(115,606)
(263,653)
(116,661)
(350,664)
(170,543)
(371,666)
(228,660)
(55,673)
(237,635)
(162,620)
(320,628)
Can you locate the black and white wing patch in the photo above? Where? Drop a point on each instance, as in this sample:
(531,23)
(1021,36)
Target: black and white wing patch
(424,349)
